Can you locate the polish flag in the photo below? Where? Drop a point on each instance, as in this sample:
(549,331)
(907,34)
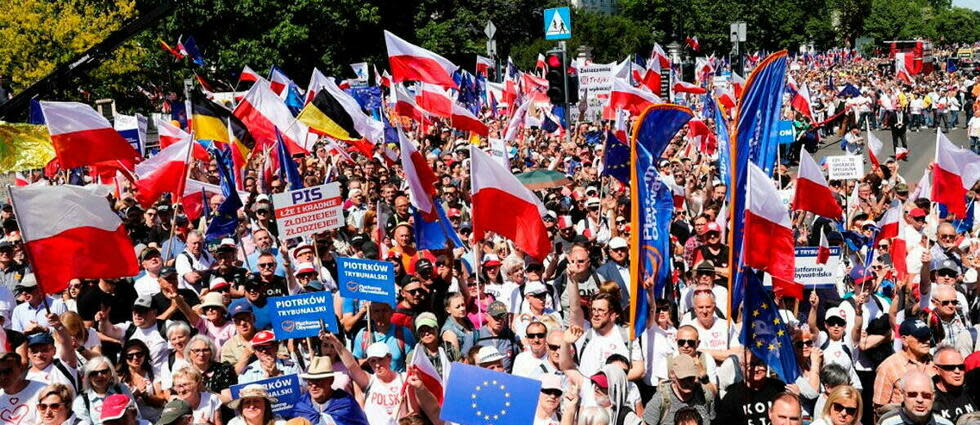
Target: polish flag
(163,172)
(76,236)
(693,43)
(702,136)
(540,63)
(248,75)
(812,192)
(379,79)
(727,98)
(685,87)
(483,65)
(801,101)
(278,80)
(20,179)
(261,110)
(536,86)
(434,100)
(923,189)
(422,367)
(652,80)
(170,134)
(194,193)
(901,153)
(904,63)
(659,58)
(318,82)
(463,119)
(405,106)
(738,83)
(874,149)
(82,136)
(769,234)
(412,63)
(888,225)
(955,172)
(421,180)
(493,188)
(823,250)
(624,96)
(517,121)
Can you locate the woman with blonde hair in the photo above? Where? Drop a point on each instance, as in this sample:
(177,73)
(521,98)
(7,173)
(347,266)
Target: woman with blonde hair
(843,407)
(188,386)
(84,340)
(54,406)
(99,381)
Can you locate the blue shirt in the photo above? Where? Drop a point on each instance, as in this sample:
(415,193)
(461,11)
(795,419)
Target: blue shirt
(171,247)
(253,262)
(263,315)
(399,350)
(340,407)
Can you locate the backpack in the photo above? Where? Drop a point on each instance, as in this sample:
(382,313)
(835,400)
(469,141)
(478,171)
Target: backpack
(88,403)
(847,350)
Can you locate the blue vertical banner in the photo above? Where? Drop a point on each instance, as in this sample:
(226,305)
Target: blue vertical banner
(724,150)
(756,137)
(652,207)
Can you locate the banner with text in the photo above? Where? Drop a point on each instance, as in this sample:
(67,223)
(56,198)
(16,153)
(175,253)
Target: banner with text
(841,167)
(594,85)
(367,280)
(299,316)
(308,210)
(284,388)
(812,275)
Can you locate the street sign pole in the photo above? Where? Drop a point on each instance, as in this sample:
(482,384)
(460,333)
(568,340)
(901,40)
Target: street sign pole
(490,30)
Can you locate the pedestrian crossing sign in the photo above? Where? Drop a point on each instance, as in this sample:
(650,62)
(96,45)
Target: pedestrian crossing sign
(557,24)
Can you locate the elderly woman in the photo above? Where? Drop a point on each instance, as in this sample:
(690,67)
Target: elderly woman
(202,355)
(188,387)
(53,406)
(843,407)
(178,333)
(98,382)
(214,321)
(254,407)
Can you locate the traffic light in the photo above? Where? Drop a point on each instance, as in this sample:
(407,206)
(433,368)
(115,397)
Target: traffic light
(555,60)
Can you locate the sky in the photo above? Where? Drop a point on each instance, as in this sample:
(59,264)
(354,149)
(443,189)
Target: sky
(972,4)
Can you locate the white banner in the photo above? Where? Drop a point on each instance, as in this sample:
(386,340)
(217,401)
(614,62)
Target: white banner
(843,167)
(361,70)
(498,151)
(594,84)
(309,210)
(812,275)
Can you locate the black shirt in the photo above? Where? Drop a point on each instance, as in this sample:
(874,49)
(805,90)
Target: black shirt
(162,303)
(121,301)
(274,288)
(744,406)
(953,404)
(236,276)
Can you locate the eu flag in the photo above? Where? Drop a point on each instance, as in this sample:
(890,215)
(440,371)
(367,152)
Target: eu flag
(616,159)
(764,331)
(436,234)
(287,168)
(478,396)
(226,219)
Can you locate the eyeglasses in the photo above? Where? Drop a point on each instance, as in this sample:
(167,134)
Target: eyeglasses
(836,322)
(947,236)
(883,246)
(553,347)
(135,355)
(801,344)
(267,265)
(55,406)
(418,291)
(945,303)
(947,273)
(100,372)
(851,411)
(951,367)
(693,343)
(200,350)
(263,212)
(917,394)
(536,335)
(599,311)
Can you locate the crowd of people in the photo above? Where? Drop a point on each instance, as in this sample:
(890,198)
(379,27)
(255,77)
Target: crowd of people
(168,345)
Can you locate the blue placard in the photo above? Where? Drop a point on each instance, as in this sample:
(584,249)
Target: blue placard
(557,24)
(786,133)
(368,280)
(299,316)
(284,388)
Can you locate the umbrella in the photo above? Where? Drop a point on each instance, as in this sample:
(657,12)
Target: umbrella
(543,179)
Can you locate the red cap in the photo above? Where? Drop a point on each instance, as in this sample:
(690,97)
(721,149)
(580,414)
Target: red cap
(600,380)
(114,407)
(972,361)
(712,227)
(454,212)
(263,337)
(917,212)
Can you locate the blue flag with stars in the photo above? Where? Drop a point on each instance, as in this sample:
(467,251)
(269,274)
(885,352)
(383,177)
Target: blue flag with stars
(764,332)
(616,160)
(226,220)
(478,396)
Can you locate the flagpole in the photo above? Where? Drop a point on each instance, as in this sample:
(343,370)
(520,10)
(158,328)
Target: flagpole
(178,196)
(27,252)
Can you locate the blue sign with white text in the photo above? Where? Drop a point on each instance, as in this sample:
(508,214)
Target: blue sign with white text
(299,316)
(367,280)
(786,134)
(284,388)
(557,24)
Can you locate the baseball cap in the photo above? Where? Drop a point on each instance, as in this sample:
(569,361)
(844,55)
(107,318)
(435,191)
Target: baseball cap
(917,213)
(902,188)
(263,338)
(143,301)
(496,309)
(683,366)
(491,260)
(114,407)
(972,361)
(27,283)
(239,306)
(617,243)
(426,319)
(948,265)
(705,267)
(148,253)
(181,220)
(712,227)
(454,212)
(916,328)
(358,240)
(39,338)
(600,380)
(304,268)
(300,248)
(551,382)
(835,312)
(174,410)
(377,349)
(218,282)
(534,288)
(488,354)
(592,202)
(591,189)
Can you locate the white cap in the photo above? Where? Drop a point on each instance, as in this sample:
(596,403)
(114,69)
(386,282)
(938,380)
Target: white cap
(377,349)
(353,193)
(228,241)
(591,189)
(487,354)
(617,243)
(835,312)
(262,198)
(534,287)
(592,202)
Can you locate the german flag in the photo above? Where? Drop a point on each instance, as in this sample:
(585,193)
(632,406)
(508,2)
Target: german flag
(210,122)
(328,116)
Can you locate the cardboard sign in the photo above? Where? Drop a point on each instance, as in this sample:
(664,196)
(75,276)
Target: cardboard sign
(594,85)
(299,316)
(284,388)
(309,210)
(842,167)
(368,280)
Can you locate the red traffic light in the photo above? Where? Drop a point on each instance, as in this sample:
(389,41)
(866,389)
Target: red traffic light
(554,61)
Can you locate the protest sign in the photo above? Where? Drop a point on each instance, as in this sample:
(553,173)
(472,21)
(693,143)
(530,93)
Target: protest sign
(498,151)
(299,316)
(786,133)
(367,280)
(842,167)
(812,275)
(594,85)
(309,210)
(284,388)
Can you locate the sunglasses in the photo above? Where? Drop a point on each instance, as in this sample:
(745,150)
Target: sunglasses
(266,347)
(917,394)
(945,303)
(101,372)
(267,265)
(851,411)
(136,355)
(919,219)
(947,237)
(540,296)
(801,344)
(883,246)
(836,322)
(553,347)
(552,392)
(713,235)
(536,335)
(418,291)
(43,406)
(947,273)
(693,343)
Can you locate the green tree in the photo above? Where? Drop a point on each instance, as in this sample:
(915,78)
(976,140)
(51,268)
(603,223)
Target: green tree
(896,19)
(956,25)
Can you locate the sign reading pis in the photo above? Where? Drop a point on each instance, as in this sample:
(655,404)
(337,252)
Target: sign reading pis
(308,210)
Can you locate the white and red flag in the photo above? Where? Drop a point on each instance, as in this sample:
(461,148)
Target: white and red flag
(170,134)
(889,223)
(702,137)
(71,233)
(874,149)
(278,80)
(955,172)
(768,243)
(693,43)
(434,100)
(463,119)
(405,106)
(483,65)
(163,172)
(801,101)
(685,87)
(540,63)
(261,110)
(248,75)
(813,194)
(419,176)
(823,250)
(494,190)
(422,368)
(633,99)
(82,136)
(409,62)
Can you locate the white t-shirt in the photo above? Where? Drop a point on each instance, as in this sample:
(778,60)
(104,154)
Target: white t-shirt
(714,338)
(159,347)
(600,347)
(527,365)
(869,312)
(20,408)
(147,285)
(835,353)
(550,420)
(656,345)
(206,409)
(381,400)
(53,375)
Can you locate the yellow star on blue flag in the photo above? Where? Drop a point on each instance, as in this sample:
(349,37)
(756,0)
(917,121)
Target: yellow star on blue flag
(766,335)
(477,396)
